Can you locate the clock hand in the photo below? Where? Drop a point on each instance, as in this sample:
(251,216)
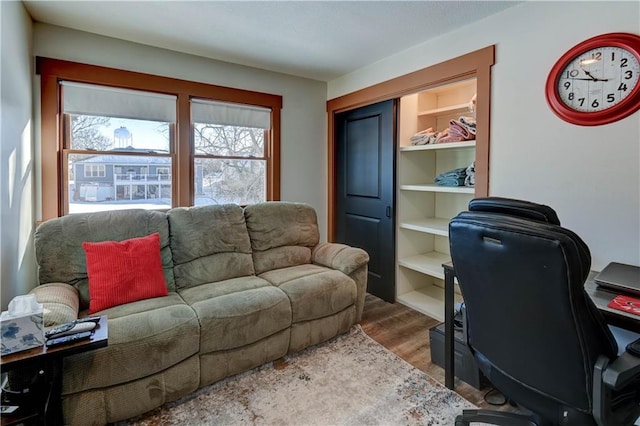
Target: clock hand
(589,74)
(591,79)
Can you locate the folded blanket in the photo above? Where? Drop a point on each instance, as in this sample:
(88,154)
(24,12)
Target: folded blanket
(458,129)
(463,129)
(444,137)
(419,140)
(455,177)
(469,123)
(424,137)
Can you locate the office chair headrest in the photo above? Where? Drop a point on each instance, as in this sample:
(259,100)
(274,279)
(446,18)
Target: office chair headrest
(525,222)
(513,207)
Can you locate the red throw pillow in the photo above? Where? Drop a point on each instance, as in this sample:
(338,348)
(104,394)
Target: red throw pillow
(123,272)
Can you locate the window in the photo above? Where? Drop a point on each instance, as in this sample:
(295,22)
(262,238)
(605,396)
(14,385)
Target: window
(115,135)
(229,158)
(116,139)
(94,170)
(163,173)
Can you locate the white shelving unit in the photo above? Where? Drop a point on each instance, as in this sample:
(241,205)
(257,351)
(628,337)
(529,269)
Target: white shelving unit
(444,110)
(424,208)
(436,188)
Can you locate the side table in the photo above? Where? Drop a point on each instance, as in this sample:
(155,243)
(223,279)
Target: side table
(49,411)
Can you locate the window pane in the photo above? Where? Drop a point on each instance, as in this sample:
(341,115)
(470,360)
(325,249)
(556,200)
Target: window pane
(212,139)
(114,182)
(221,181)
(107,133)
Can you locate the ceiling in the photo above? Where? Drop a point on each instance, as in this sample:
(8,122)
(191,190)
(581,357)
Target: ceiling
(321,40)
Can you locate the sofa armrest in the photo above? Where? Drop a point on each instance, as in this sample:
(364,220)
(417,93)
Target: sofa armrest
(348,260)
(339,256)
(61,302)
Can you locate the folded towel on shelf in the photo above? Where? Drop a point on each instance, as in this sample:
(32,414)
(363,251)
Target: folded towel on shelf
(424,137)
(463,129)
(470,180)
(444,137)
(468,123)
(456,128)
(455,177)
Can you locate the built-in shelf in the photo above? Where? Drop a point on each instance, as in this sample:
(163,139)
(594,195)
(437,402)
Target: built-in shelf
(428,300)
(429,187)
(427,263)
(424,208)
(447,145)
(446,109)
(432,225)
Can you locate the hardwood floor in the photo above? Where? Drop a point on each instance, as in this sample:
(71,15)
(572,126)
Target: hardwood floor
(406,333)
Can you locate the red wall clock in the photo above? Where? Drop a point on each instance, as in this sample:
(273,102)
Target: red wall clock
(597,81)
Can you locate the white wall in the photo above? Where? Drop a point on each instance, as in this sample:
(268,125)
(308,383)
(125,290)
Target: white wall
(590,175)
(17,274)
(303,125)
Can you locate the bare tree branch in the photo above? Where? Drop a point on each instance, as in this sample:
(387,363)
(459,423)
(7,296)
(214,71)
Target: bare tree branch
(85,132)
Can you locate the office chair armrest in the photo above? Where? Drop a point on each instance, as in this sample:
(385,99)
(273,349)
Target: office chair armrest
(612,377)
(624,370)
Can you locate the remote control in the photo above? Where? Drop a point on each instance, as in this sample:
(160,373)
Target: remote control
(59,329)
(68,339)
(65,330)
(89,319)
(70,327)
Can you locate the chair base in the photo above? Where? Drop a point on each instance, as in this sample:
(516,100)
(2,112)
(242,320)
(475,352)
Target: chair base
(499,418)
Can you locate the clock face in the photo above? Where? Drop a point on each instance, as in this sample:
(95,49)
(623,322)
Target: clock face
(598,79)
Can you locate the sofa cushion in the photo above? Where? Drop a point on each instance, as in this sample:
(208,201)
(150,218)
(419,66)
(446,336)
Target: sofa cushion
(237,312)
(282,234)
(209,244)
(103,406)
(145,337)
(59,251)
(60,302)
(314,291)
(124,271)
(312,332)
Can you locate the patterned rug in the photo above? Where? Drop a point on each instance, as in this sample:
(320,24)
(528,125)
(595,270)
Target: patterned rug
(350,380)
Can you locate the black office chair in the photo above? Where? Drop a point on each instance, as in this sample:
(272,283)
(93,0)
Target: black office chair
(533,330)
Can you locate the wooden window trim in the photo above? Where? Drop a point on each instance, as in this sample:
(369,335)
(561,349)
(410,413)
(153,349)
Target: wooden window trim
(52,71)
(477,63)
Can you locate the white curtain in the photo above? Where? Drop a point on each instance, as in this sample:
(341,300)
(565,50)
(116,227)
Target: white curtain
(228,114)
(104,101)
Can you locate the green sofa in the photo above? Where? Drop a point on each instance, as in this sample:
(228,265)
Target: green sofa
(246,286)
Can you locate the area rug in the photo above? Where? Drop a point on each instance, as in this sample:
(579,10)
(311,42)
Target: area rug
(349,380)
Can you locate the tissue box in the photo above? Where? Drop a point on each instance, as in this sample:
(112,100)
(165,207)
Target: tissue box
(21,332)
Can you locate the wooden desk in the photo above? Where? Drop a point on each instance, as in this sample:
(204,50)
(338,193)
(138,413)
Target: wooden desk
(50,359)
(598,295)
(601,297)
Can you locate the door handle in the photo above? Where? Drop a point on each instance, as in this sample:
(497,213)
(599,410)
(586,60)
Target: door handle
(388,211)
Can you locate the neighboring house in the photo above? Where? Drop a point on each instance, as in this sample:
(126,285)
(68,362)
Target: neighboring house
(119,177)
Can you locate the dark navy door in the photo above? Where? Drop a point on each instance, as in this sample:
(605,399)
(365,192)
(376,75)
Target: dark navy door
(365,147)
